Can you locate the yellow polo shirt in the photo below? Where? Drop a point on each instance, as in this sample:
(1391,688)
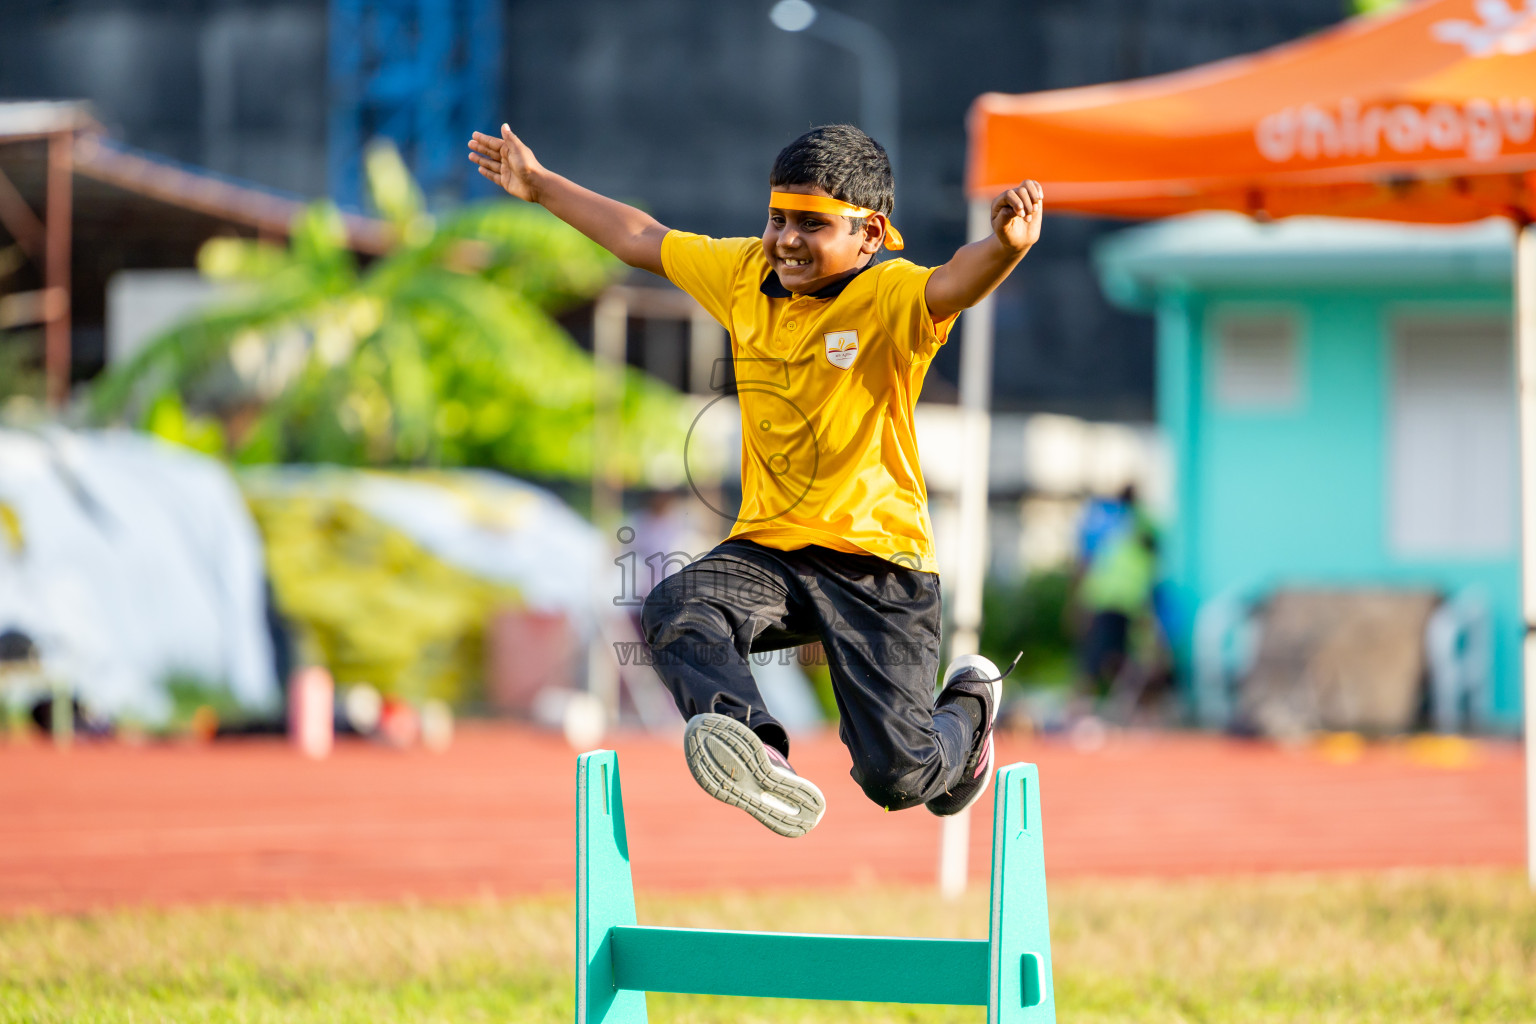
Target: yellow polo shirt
(826,383)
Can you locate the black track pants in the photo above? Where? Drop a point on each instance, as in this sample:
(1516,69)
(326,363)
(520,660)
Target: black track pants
(879,624)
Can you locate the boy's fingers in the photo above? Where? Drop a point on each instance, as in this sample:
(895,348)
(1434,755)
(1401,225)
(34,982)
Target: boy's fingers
(487,173)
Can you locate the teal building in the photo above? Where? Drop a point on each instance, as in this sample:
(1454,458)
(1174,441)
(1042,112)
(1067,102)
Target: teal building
(1339,401)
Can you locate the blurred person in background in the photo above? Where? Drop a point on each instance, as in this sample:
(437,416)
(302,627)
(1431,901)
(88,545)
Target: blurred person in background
(663,541)
(663,538)
(1102,518)
(1114,605)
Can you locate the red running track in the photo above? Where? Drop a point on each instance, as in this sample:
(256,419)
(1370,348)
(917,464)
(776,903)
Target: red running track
(251,821)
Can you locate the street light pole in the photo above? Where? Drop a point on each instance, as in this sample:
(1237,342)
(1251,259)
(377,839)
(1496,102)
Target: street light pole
(879,86)
(970,567)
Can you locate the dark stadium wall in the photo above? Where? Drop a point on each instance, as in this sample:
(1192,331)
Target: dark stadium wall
(680,105)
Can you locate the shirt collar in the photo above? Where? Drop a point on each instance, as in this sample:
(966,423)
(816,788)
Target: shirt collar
(775,289)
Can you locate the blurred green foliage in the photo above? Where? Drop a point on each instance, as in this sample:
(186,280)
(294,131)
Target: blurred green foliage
(820,674)
(441,352)
(371,603)
(190,694)
(168,418)
(21,371)
(1029,614)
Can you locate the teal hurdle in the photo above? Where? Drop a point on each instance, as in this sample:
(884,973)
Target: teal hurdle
(618,961)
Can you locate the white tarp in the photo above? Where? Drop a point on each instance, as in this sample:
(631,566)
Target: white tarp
(136,562)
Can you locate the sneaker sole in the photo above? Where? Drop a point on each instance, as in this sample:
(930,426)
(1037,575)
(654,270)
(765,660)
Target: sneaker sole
(729,763)
(957,666)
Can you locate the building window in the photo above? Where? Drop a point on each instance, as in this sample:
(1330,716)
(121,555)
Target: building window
(1257,361)
(1452,462)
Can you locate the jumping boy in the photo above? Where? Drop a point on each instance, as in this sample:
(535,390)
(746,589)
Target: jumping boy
(833,541)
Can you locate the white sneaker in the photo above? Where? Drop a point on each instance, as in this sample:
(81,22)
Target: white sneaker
(734,766)
(971,675)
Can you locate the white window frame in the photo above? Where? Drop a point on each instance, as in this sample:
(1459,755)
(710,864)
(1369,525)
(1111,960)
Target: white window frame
(1406,539)
(1287,397)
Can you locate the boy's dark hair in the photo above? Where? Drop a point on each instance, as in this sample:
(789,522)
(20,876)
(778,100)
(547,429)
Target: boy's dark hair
(842,161)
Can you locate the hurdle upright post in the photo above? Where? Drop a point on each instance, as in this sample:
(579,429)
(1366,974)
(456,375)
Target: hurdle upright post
(1019,988)
(605,892)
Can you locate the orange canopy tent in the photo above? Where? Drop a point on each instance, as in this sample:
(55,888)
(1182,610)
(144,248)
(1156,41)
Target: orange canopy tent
(1424,114)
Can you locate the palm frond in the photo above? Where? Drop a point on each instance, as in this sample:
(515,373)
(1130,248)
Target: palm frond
(443,350)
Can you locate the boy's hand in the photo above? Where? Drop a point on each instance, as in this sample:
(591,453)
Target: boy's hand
(507,162)
(978,268)
(1016,216)
(632,235)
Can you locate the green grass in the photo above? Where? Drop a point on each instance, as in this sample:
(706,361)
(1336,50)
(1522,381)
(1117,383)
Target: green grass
(1402,948)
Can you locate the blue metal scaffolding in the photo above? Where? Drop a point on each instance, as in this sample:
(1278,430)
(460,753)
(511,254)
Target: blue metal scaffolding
(422,73)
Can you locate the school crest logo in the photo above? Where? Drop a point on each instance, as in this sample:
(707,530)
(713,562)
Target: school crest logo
(842,346)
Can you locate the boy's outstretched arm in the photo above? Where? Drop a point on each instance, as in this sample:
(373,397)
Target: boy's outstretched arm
(632,235)
(976,269)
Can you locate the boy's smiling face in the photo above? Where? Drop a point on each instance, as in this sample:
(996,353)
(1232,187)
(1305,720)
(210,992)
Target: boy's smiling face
(811,250)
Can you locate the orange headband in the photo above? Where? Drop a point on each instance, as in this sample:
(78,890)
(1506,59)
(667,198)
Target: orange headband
(834,207)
